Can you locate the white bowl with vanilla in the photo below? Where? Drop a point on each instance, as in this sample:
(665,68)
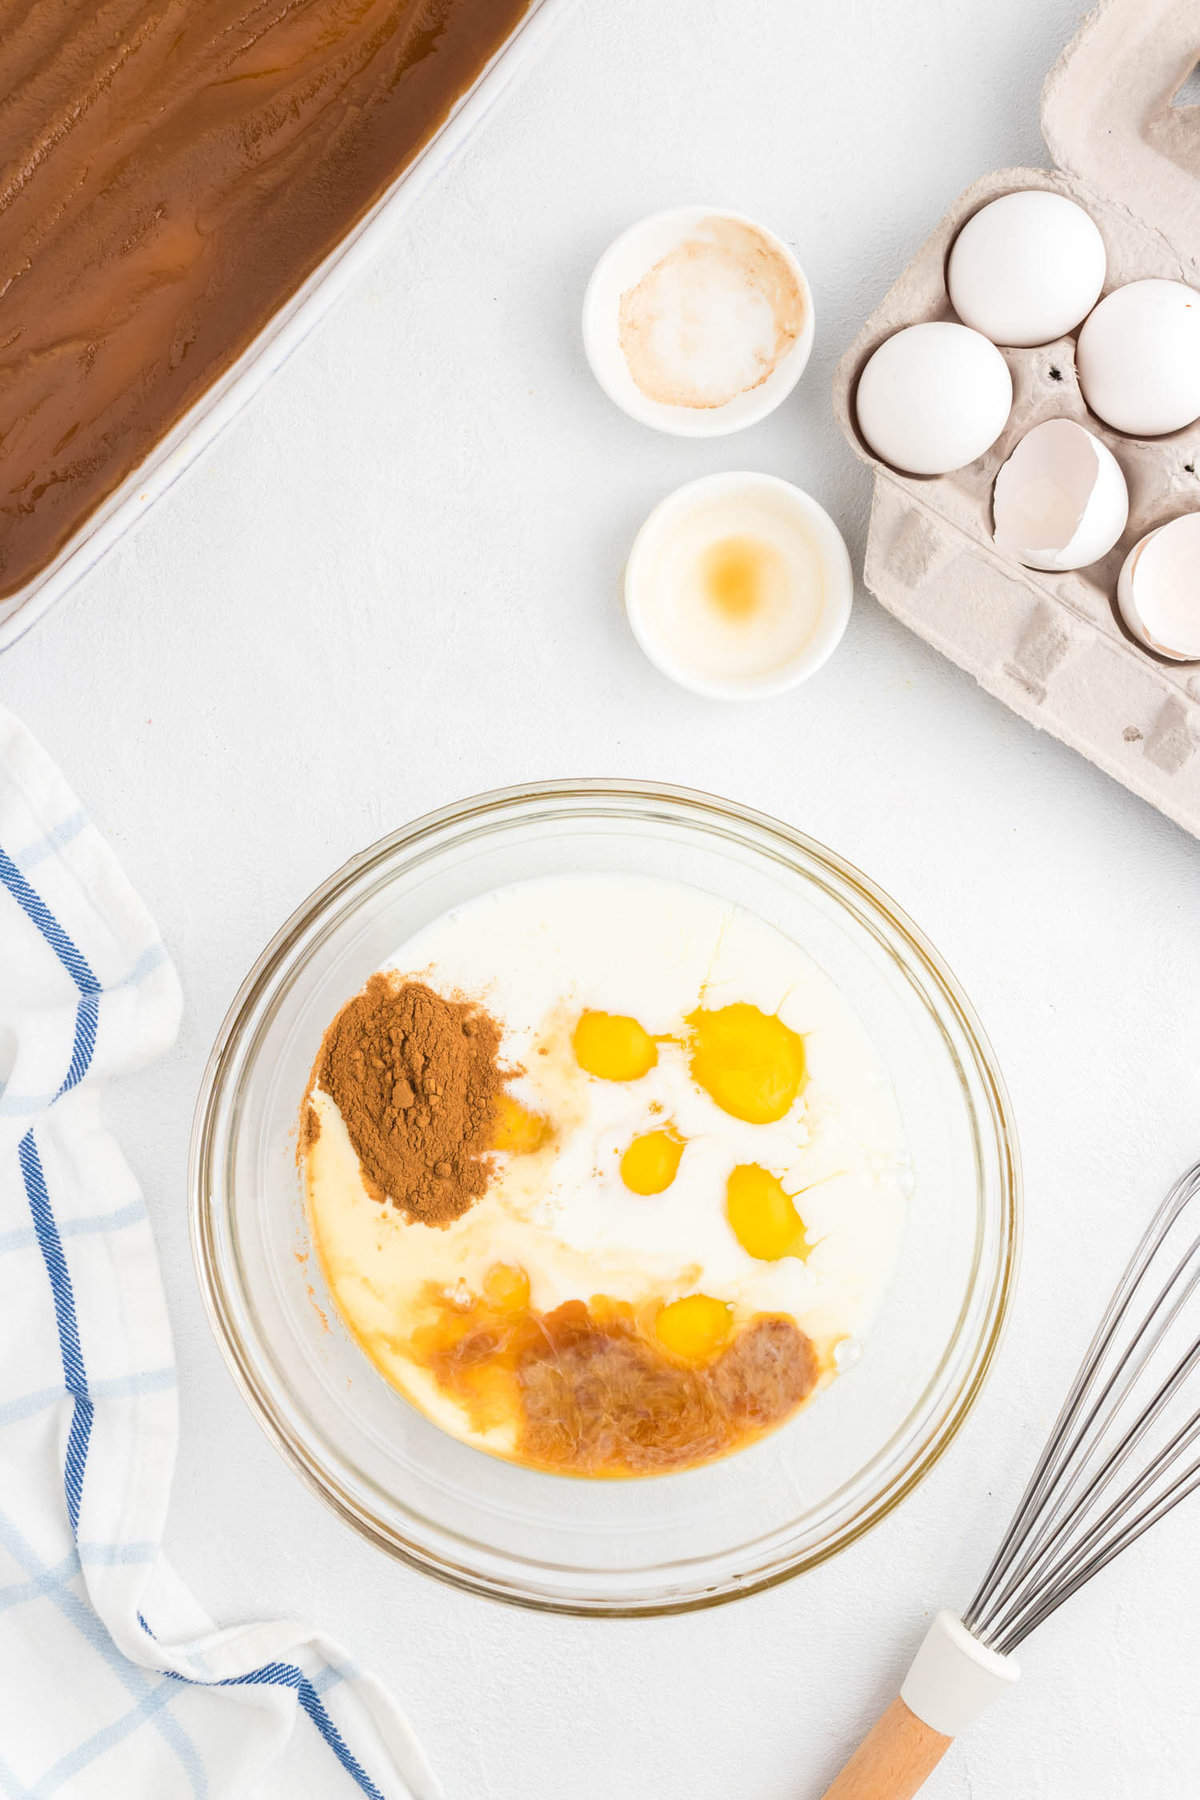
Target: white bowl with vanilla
(698,321)
(738,586)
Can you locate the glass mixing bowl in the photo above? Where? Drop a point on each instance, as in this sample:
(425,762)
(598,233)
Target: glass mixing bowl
(616,1547)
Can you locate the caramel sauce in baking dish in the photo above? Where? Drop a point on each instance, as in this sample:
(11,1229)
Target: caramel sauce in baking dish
(170,173)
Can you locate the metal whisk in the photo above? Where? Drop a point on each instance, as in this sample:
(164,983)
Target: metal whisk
(1116,1462)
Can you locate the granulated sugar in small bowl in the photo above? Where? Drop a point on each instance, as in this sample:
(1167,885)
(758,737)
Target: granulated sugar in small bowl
(698,321)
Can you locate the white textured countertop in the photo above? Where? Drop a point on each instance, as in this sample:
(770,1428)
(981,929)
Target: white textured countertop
(394,582)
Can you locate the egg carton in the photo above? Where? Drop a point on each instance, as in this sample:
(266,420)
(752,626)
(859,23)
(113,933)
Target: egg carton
(1052,646)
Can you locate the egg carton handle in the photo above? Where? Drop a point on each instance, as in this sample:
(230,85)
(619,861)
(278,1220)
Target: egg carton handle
(1114,116)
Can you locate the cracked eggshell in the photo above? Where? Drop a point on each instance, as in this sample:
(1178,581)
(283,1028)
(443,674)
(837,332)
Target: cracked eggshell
(1060,501)
(1158,591)
(1138,357)
(933,397)
(1026,268)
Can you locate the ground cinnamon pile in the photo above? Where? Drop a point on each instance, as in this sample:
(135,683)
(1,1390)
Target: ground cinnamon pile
(417,1080)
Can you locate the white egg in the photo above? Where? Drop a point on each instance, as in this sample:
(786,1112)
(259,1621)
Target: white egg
(933,398)
(1060,501)
(1138,358)
(1158,591)
(1026,268)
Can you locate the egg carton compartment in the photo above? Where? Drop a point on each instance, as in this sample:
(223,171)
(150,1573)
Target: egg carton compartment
(1052,646)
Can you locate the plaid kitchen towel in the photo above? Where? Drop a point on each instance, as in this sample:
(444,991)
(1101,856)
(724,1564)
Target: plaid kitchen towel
(114,1685)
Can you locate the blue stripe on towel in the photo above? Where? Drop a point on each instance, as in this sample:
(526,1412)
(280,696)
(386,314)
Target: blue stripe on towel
(86,1023)
(74,1373)
(87,1017)
(288,1675)
(51,844)
(118,1387)
(150,959)
(10,1787)
(55,1778)
(87,1020)
(56,1585)
(36,910)
(23,1237)
(281,1674)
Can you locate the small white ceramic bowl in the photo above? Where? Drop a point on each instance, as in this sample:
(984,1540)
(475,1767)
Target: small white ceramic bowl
(823,534)
(621,267)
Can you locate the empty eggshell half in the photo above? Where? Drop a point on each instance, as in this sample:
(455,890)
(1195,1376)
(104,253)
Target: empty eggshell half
(1060,501)
(1158,591)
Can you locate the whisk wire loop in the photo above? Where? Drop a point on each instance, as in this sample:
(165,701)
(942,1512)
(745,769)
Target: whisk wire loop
(1057,1540)
(1044,1474)
(1058,1522)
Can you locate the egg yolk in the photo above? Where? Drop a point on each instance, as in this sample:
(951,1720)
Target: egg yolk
(614,1047)
(506,1287)
(516,1129)
(651,1163)
(763,1217)
(694,1327)
(747,1061)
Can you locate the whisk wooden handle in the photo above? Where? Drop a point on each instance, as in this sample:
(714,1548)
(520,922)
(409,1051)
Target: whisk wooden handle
(952,1679)
(894,1760)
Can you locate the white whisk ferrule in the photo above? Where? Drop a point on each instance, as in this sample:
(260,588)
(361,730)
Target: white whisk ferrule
(954,1677)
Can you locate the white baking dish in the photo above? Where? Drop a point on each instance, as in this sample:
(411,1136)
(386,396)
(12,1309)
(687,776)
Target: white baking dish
(204,421)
